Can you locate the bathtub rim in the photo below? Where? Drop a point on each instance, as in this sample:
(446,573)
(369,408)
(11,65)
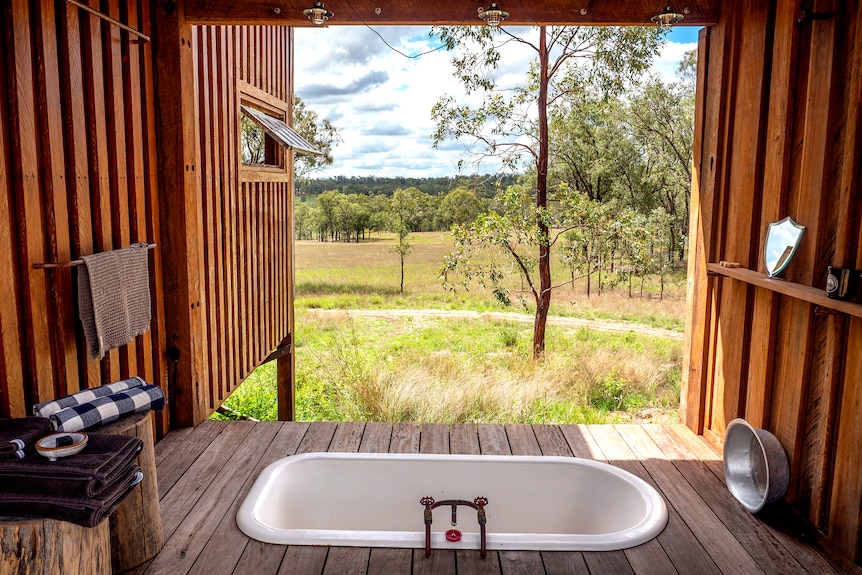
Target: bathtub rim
(654,522)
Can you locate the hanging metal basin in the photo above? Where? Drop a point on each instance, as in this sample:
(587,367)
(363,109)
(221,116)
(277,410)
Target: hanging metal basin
(755,465)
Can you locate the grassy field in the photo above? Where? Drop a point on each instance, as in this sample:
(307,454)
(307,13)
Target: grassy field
(443,369)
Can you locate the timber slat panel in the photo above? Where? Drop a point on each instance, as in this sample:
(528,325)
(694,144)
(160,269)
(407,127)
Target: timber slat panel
(72,162)
(208,541)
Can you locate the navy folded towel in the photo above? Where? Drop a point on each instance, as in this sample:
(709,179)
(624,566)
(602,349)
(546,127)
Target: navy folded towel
(90,473)
(18,435)
(86,511)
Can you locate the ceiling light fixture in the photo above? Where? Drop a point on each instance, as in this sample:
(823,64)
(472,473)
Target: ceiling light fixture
(667,18)
(318,14)
(493,15)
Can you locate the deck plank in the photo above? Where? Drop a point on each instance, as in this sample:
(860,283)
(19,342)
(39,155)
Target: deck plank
(390,561)
(521,563)
(376,437)
(318,437)
(440,562)
(522,440)
(224,549)
(649,557)
(208,471)
(172,440)
(405,438)
(769,554)
(347,437)
(677,541)
(347,561)
(303,560)
(185,454)
(464,439)
(608,563)
(493,440)
(470,562)
(434,438)
(259,558)
(185,542)
(552,441)
(581,442)
(727,552)
(564,563)
(187,489)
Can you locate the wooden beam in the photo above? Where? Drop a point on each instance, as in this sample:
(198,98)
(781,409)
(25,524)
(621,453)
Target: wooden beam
(180,213)
(445,12)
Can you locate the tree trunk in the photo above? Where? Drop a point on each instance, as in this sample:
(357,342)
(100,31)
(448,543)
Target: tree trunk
(543,301)
(402,274)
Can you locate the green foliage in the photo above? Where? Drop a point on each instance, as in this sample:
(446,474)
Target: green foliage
(512,126)
(320,133)
(454,371)
(251,140)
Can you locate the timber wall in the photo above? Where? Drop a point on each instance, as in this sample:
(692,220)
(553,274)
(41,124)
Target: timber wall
(777,134)
(247,217)
(105,141)
(77,176)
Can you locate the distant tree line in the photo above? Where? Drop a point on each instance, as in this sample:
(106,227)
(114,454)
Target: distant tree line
(349,217)
(484,186)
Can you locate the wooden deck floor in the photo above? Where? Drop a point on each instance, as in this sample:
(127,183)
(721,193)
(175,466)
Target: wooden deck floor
(204,474)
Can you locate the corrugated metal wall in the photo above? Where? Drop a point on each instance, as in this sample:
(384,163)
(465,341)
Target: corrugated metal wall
(77,176)
(779,134)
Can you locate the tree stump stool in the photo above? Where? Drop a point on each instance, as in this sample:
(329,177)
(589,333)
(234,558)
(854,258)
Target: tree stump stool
(136,525)
(52,547)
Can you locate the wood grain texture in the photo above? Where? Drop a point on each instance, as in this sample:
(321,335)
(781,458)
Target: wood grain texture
(49,547)
(448,12)
(654,453)
(136,525)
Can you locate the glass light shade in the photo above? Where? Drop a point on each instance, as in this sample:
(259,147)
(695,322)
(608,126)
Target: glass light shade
(493,15)
(318,14)
(667,18)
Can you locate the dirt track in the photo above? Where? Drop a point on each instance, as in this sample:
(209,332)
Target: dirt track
(596,324)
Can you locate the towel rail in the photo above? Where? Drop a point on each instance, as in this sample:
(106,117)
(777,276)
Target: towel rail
(69,264)
(110,20)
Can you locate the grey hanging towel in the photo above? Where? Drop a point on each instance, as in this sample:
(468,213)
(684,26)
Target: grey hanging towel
(114,297)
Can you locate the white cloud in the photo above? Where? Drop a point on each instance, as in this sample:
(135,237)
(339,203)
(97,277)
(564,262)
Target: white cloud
(382,101)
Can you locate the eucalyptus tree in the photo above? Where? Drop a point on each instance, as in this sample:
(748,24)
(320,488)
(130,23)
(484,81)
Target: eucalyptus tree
(402,208)
(661,119)
(511,124)
(320,133)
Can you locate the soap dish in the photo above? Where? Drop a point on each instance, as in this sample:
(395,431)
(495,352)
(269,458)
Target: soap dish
(62,444)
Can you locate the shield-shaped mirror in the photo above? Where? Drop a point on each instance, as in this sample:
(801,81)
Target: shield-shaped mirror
(782,239)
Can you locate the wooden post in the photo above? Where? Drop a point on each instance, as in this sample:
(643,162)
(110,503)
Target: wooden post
(285,381)
(180,213)
(136,525)
(52,547)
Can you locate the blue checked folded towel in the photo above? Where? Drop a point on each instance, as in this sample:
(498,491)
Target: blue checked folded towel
(49,408)
(108,408)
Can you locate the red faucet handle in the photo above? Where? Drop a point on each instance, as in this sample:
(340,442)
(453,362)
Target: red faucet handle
(426,501)
(481,501)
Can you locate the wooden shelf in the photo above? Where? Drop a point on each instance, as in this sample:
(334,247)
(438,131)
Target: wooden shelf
(810,294)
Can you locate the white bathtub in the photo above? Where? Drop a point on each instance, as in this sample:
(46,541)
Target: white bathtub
(372,500)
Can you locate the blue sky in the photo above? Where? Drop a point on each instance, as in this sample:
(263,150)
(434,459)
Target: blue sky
(382,100)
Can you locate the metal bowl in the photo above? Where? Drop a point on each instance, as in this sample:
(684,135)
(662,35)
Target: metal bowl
(755,465)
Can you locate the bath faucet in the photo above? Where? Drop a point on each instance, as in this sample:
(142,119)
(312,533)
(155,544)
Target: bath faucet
(478,504)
